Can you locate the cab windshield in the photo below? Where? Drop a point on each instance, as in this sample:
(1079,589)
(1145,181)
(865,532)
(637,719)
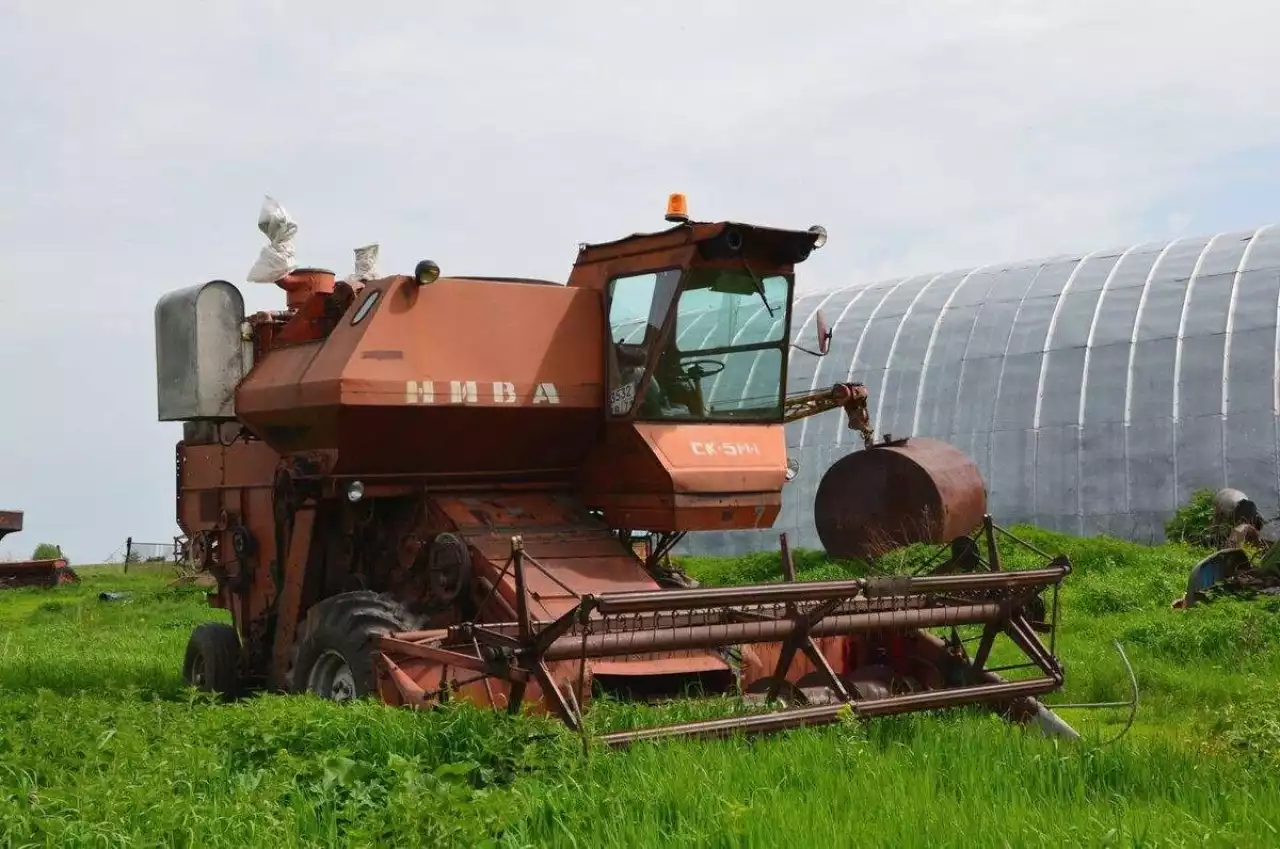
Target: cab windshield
(725,356)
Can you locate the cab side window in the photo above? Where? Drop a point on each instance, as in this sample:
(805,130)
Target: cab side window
(637,307)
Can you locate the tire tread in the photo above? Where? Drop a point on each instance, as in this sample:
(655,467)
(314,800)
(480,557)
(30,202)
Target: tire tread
(220,645)
(339,618)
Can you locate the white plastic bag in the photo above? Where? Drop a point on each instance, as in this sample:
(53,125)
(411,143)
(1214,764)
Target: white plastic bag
(277,258)
(366,267)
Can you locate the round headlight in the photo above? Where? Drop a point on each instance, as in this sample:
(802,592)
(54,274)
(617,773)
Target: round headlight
(426,272)
(355,491)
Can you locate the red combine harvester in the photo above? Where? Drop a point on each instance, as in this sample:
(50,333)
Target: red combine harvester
(31,573)
(428,487)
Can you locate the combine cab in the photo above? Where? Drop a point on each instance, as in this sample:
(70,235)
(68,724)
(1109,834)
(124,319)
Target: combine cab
(31,573)
(423,487)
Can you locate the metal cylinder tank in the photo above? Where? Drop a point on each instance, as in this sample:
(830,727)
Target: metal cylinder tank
(892,495)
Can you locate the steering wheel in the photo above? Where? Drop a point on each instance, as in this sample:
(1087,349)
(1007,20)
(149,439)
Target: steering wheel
(694,370)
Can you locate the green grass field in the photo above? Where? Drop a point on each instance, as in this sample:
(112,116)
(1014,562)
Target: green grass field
(100,745)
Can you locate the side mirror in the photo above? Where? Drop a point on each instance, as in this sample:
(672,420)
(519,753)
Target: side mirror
(824,338)
(824,335)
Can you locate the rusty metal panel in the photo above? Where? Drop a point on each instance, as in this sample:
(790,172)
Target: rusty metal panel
(200,354)
(10,522)
(37,573)
(682,663)
(556,579)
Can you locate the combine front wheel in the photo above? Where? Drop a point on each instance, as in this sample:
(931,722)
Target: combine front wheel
(212,661)
(333,654)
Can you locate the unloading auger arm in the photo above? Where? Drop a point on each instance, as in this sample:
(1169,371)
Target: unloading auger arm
(851,396)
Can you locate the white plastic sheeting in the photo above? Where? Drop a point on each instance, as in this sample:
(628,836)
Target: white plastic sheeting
(277,258)
(366,264)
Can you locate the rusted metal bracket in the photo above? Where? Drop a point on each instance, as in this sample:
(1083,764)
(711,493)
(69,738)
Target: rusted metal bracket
(801,638)
(828,714)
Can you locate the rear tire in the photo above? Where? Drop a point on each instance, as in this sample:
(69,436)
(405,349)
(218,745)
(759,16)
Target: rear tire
(212,661)
(333,653)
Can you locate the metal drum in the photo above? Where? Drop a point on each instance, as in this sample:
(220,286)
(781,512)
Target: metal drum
(889,496)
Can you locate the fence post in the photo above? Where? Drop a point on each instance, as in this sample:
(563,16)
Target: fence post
(128,553)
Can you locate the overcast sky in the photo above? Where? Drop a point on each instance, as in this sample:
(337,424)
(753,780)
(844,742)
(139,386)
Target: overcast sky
(140,137)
